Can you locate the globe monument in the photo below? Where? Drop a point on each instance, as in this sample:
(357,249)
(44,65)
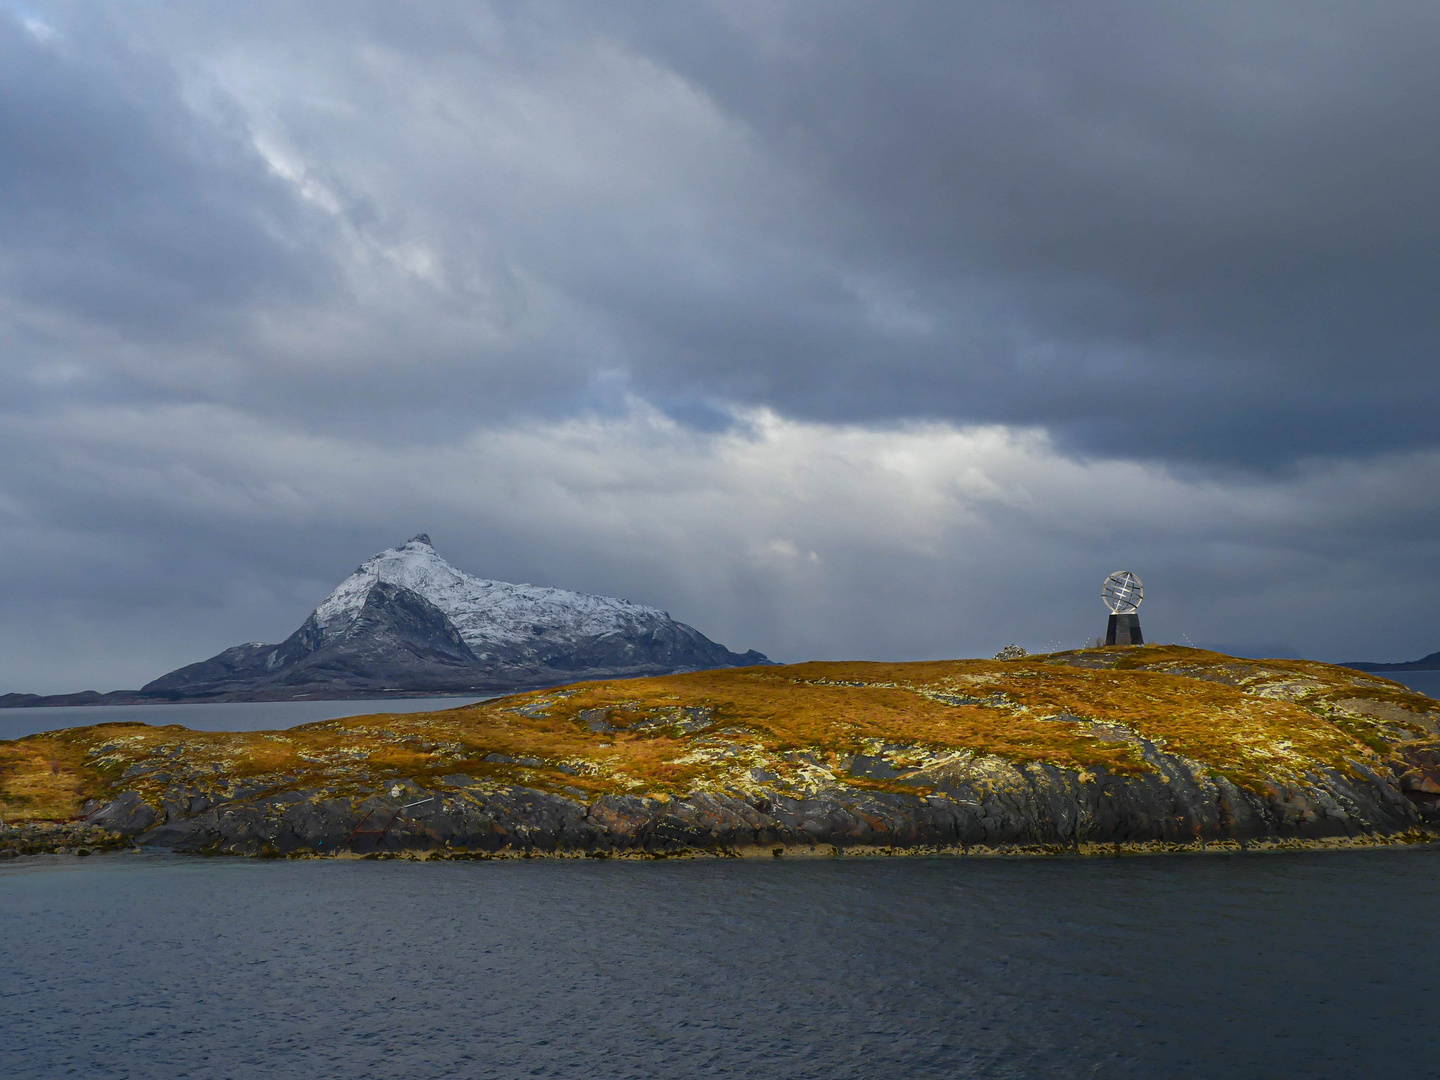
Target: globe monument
(1122,593)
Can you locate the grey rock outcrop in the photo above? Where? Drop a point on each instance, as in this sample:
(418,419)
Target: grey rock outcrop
(974,805)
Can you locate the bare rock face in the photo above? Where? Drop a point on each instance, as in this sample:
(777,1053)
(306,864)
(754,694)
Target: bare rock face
(407,620)
(1416,766)
(1028,809)
(128,814)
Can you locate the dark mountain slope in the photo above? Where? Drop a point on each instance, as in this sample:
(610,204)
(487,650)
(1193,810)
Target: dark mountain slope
(1425,663)
(397,640)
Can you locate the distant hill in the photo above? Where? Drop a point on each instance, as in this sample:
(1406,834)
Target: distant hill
(406,621)
(1425,663)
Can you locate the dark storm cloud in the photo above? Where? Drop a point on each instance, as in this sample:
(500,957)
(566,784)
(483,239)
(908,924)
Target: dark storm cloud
(701,304)
(150,251)
(1222,216)
(117,207)
(1215,222)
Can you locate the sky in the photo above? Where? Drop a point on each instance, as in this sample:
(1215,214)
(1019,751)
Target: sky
(836,329)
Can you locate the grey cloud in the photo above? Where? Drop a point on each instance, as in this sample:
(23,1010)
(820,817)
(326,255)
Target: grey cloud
(283,284)
(1220,216)
(1226,212)
(118,206)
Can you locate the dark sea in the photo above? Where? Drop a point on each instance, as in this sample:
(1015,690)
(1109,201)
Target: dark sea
(1259,965)
(1427,682)
(132,965)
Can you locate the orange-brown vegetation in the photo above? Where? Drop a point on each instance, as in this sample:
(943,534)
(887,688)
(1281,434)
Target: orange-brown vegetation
(1254,722)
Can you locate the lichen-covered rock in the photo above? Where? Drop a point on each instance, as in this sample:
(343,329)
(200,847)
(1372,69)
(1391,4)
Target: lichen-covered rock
(128,814)
(1093,750)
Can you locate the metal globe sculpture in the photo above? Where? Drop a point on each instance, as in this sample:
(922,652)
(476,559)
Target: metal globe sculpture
(1122,593)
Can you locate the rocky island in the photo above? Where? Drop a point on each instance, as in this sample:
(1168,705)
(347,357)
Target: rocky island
(1095,750)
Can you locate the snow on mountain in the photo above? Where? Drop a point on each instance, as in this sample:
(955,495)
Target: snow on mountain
(408,620)
(486,613)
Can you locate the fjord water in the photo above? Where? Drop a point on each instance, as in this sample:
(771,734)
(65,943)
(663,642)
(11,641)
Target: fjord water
(1426,682)
(215,716)
(1320,964)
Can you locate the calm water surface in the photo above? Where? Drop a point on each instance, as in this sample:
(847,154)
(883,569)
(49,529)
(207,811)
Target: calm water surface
(1283,966)
(1427,682)
(210,716)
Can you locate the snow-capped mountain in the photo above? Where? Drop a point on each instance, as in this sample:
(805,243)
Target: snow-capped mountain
(490,615)
(407,620)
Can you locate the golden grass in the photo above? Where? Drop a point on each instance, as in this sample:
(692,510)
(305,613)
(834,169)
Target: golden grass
(785,709)
(1254,722)
(42,780)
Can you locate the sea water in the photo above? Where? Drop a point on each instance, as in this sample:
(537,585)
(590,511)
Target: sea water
(1427,682)
(215,716)
(1318,964)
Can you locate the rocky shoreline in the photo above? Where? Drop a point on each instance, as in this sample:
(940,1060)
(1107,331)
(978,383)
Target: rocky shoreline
(1179,751)
(15,843)
(986,806)
(60,838)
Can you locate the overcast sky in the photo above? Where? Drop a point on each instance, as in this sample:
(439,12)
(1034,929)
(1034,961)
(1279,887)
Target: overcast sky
(835,329)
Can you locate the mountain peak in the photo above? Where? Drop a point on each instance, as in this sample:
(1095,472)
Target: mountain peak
(407,618)
(487,613)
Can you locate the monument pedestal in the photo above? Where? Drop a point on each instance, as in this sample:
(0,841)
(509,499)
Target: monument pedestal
(1124,630)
